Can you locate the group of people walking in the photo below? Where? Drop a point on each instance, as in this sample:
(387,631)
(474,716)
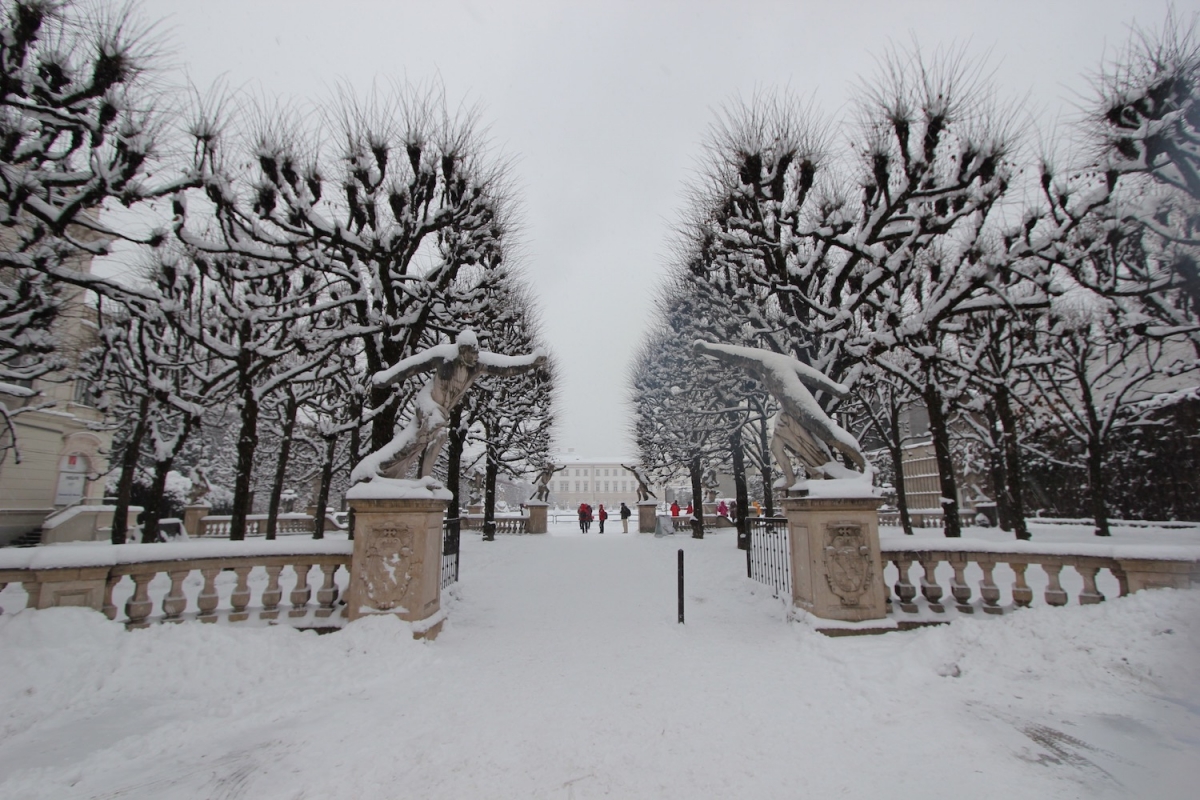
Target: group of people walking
(601,515)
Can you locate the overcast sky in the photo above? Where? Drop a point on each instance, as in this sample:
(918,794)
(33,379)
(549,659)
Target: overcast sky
(602,107)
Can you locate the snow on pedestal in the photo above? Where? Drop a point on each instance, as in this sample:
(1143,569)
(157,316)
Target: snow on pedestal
(834,532)
(397,563)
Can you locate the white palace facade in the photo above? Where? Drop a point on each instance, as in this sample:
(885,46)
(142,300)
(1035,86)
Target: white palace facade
(594,481)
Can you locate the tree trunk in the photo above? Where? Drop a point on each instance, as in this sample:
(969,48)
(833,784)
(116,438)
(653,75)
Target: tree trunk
(1012,464)
(323,492)
(697,520)
(489,495)
(997,468)
(454,448)
(247,444)
(741,496)
(285,448)
(161,468)
(768,474)
(1099,487)
(129,461)
(940,434)
(897,451)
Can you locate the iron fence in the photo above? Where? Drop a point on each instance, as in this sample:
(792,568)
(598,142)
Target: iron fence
(770,556)
(450,541)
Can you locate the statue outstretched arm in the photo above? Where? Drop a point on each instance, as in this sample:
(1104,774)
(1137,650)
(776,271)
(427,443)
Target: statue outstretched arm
(424,361)
(506,366)
(815,379)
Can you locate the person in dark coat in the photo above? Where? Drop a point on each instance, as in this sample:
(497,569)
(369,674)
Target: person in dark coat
(625,512)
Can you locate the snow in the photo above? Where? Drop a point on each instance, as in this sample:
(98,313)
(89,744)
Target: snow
(104,554)
(380,488)
(561,672)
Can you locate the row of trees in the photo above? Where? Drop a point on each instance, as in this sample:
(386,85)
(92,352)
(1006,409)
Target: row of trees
(283,262)
(1029,305)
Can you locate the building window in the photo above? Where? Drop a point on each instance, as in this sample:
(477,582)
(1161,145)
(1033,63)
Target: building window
(585,483)
(577,486)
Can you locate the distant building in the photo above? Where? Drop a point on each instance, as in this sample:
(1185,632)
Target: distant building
(63,454)
(594,481)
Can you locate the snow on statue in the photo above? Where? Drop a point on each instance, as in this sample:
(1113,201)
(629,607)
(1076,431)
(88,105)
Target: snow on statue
(455,368)
(801,427)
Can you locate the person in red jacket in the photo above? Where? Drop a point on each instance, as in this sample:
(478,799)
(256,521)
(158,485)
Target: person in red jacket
(689,509)
(584,513)
(602,515)
(675,509)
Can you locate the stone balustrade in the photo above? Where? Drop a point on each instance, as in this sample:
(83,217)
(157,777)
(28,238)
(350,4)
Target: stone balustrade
(188,580)
(256,525)
(504,525)
(998,576)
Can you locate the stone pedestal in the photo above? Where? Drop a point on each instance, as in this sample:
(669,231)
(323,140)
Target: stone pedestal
(191,518)
(537,517)
(647,511)
(475,509)
(835,557)
(397,563)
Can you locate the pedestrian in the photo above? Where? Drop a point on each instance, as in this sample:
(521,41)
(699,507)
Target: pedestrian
(722,509)
(689,509)
(583,517)
(733,509)
(674,508)
(588,521)
(757,509)
(602,515)
(625,512)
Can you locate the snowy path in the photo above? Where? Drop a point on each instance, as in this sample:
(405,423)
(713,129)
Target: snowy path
(562,673)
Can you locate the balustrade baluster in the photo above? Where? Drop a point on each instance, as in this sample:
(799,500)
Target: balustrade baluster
(930,588)
(958,585)
(988,589)
(30,593)
(107,607)
(3,586)
(301,594)
(139,606)
(327,595)
(1122,581)
(175,603)
(272,594)
(1055,595)
(208,598)
(1022,594)
(241,595)
(1090,594)
(905,590)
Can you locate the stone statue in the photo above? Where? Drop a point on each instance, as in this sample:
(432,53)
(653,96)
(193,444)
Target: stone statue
(711,484)
(475,488)
(455,368)
(200,487)
(542,482)
(643,483)
(801,427)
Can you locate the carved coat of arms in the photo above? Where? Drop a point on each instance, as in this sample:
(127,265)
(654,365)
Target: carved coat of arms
(847,562)
(392,564)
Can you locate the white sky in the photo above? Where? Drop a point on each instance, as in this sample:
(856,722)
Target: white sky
(603,105)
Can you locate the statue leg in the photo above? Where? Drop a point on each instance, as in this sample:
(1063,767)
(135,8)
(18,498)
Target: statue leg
(430,456)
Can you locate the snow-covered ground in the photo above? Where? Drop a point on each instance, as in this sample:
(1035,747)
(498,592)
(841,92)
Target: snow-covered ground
(563,673)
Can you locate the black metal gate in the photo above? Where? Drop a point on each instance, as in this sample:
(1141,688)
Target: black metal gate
(450,540)
(770,556)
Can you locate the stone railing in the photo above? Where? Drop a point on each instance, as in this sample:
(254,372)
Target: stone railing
(256,525)
(1000,574)
(504,525)
(921,518)
(187,580)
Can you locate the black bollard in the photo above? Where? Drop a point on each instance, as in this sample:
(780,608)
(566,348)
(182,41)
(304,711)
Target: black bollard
(681,587)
